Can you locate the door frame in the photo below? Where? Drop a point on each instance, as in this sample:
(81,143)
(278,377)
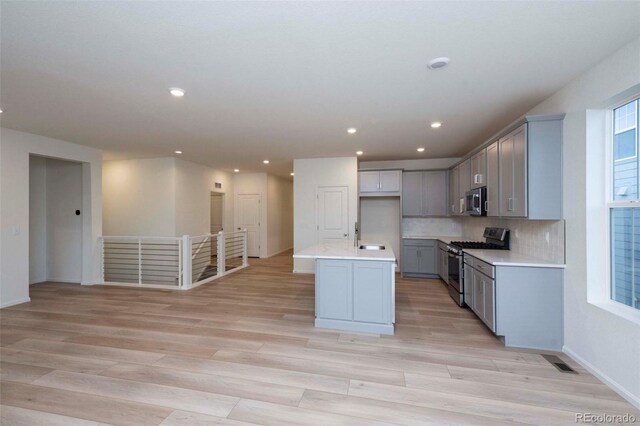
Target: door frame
(236,211)
(223,196)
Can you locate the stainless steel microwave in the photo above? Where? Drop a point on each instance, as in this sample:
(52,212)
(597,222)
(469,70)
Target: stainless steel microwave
(476,202)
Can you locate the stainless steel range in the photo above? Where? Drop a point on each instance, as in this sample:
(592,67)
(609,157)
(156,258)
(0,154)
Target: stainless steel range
(495,239)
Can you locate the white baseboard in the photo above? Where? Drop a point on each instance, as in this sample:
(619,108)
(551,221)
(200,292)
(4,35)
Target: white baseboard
(62,280)
(633,399)
(15,302)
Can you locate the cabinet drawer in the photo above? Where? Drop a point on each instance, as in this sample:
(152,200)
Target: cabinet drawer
(419,243)
(484,267)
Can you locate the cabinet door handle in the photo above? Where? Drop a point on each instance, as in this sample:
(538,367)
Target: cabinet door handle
(486,206)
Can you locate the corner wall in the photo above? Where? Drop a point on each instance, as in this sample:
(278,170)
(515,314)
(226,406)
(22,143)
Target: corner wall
(309,175)
(279,215)
(15,148)
(139,197)
(604,342)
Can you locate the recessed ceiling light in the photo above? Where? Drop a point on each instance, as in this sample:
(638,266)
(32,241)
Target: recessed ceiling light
(0,111)
(177,92)
(359,152)
(437,63)
(436,124)
(420,149)
(178,152)
(351,130)
(236,170)
(266,161)
(291,173)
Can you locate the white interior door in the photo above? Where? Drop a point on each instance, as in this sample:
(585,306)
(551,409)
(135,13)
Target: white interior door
(216,213)
(248,217)
(333,212)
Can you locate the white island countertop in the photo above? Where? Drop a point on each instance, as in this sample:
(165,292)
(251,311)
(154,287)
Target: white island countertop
(345,250)
(509,258)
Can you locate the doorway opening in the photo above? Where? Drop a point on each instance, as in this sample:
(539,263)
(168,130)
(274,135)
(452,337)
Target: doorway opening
(217,212)
(55,220)
(247,214)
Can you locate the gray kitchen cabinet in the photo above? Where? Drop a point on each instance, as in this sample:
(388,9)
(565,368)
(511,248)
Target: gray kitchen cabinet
(435,193)
(469,286)
(334,298)
(390,180)
(493,181)
(464,176)
(522,304)
(369,181)
(355,295)
(380,182)
(371,295)
(412,192)
(424,194)
(523,170)
(419,258)
(479,169)
(454,191)
(513,173)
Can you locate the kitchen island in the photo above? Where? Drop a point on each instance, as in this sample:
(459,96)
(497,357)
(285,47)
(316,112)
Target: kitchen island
(354,285)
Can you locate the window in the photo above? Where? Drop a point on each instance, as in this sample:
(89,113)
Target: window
(624,212)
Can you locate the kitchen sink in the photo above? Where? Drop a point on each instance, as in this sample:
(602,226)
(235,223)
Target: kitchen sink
(371,247)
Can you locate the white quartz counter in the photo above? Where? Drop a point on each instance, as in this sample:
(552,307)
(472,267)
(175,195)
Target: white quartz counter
(344,250)
(509,258)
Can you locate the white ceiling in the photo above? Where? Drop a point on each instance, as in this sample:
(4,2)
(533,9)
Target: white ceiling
(285,80)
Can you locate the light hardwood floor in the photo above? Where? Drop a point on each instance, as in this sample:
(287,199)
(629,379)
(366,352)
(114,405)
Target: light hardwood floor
(243,350)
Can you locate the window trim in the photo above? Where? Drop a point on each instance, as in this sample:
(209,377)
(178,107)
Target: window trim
(609,304)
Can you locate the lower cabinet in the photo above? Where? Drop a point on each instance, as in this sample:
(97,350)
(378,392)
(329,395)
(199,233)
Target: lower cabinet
(334,289)
(355,295)
(420,258)
(523,305)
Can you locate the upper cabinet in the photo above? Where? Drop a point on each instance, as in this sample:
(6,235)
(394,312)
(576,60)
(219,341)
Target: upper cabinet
(479,169)
(380,182)
(464,176)
(512,169)
(424,194)
(493,181)
(454,188)
(522,170)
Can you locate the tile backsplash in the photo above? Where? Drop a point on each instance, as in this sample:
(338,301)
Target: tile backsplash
(543,239)
(431,227)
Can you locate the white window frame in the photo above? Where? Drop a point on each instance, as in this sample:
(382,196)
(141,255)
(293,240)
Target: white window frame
(613,129)
(610,204)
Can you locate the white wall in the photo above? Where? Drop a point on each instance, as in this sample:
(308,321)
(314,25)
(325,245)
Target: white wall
(139,197)
(15,148)
(255,183)
(162,197)
(37,219)
(601,340)
(421,164)
(309,175)
(194,184)
(380,222)
(279,215)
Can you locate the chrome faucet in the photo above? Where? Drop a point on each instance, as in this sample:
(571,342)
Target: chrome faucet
(356,234)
